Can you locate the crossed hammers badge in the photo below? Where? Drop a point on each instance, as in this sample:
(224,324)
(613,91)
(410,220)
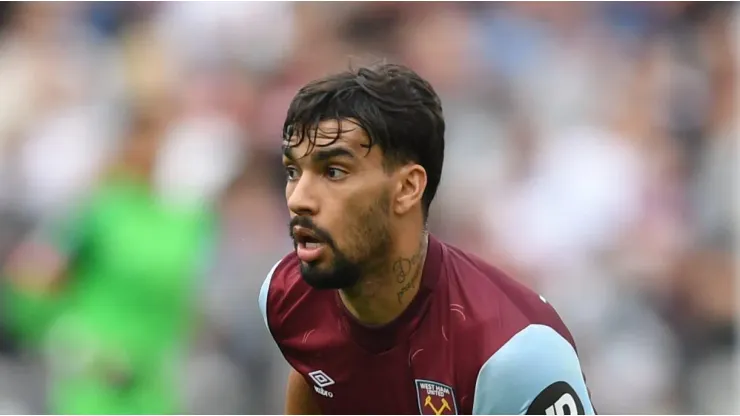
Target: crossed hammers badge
(437,411)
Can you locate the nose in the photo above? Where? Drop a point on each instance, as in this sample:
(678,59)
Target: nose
(301,197)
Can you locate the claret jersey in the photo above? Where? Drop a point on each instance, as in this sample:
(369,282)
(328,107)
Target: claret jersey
(473,341)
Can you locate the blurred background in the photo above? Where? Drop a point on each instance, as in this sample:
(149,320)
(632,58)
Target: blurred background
(590,149)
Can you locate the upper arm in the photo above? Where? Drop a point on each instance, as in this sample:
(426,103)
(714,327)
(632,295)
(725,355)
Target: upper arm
(72,232)
(299,398)
(41,260)
(536,372)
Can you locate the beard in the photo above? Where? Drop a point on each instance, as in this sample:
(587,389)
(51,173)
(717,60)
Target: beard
(366,253)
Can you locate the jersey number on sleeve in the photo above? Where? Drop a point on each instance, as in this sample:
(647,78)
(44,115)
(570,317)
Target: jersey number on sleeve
(557,399)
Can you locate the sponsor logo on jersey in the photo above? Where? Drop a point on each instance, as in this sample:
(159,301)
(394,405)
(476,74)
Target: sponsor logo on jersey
(557,399)
(435,398)
(321,380)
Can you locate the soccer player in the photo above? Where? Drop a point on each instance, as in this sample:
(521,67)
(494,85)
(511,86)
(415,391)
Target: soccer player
(376,315)
(121,276)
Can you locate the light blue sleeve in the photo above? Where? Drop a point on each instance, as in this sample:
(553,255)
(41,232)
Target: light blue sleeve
(536,366)
(264,291)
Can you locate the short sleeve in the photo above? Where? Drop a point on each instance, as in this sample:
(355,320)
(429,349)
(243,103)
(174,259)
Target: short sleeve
(71,233)
(264,292)
(536,372)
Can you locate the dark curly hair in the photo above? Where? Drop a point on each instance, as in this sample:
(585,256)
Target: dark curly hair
(399,111)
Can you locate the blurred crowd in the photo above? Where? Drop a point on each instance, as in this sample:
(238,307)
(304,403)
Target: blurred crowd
(590,150)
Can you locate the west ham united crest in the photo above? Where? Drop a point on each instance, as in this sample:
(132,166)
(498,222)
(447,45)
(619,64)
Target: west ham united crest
(435,398)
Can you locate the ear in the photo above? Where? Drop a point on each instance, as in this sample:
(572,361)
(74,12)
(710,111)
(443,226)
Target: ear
(412,181)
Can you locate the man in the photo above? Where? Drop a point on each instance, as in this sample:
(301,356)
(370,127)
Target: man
(116,283)
(374,314)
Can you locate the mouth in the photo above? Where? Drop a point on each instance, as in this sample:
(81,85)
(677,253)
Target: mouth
(306,238)
(308,246)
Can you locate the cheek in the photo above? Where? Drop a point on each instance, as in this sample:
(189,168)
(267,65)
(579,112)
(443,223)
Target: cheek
(351,217)
(366,219)
(341,216)
(344,218)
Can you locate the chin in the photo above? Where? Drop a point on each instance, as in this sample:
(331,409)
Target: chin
(329,277)
(317,267)
(322,280)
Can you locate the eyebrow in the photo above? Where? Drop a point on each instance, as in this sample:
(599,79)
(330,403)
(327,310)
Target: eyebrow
(321,155)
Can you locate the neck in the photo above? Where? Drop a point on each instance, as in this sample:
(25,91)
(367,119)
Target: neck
(379,299)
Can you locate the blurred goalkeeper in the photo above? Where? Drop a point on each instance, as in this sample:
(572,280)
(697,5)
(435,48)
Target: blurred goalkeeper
(120,274)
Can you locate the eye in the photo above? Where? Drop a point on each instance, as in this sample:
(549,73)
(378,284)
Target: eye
(335,173)
(291,173)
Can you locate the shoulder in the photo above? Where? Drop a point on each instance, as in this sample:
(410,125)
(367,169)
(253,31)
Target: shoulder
(517,336)
(537,371)
(497,305)
(281,286)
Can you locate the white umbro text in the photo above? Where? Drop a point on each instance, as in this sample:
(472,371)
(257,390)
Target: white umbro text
(322,380)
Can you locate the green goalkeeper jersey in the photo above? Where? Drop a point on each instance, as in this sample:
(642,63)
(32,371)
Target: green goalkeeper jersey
(129,301)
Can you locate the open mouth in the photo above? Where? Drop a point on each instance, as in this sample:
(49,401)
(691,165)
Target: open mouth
(306,239)
(309,247)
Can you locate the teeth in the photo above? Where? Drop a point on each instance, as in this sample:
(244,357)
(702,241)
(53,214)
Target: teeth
(313,245)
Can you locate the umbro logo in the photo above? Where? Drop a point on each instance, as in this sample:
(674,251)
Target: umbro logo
(322,380)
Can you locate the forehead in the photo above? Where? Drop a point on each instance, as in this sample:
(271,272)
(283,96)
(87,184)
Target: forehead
(344,133)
